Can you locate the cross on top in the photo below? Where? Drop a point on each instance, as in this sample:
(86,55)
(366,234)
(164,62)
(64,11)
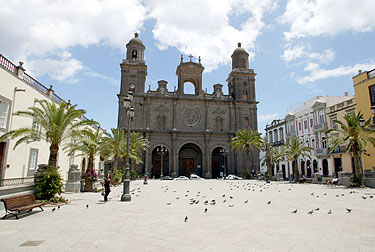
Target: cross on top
(190,56)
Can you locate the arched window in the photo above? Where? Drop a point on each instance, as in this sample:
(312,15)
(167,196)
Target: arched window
(243,63)
(189,87)
(219,123)
(134,54)
(246,121)
(161,121)
(245,95)
(244,84)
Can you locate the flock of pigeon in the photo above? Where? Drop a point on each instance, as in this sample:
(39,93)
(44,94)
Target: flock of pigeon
(227,198)
(261,187)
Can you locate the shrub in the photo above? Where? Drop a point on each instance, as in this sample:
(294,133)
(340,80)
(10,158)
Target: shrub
(248,176)
(117,177)
(133,175)
(50,184)
(354,180)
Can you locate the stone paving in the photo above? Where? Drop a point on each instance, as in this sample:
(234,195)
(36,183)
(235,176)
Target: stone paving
(154,219)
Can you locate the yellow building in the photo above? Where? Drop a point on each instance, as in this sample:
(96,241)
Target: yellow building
(364,88)
(341,161)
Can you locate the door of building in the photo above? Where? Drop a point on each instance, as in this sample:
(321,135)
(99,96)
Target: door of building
(2,168)
(187,166)
(157,168)
(215,169)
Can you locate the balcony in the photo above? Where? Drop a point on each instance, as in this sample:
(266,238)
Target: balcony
(339,149)
(321,152)
(278,143)
(321,127)
(290,134)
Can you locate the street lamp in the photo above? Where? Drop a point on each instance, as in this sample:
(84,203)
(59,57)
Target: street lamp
(225,153)
(362,122)
(161,150)
(129,114)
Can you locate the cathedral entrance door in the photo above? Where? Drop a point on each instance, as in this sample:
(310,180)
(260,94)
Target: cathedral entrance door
(157,168)
(187,166)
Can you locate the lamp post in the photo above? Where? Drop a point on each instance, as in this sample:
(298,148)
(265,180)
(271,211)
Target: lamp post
(129,114)
(161,150)
(225,153)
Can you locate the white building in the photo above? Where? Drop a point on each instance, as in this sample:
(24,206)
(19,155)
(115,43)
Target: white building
(309,124)
(276,136)
(18,92)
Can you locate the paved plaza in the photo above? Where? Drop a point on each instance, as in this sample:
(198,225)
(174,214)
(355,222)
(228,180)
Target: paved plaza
(154,219)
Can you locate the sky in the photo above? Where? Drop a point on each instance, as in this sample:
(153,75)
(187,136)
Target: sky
(298,48)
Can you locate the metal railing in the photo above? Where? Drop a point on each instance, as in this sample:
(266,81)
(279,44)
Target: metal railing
(321,127)
(17,181)
(7,64)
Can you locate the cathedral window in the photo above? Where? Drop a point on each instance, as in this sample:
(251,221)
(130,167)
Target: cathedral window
(243,63)
(161,121)
(219,123)
(246,121)
(134,54)
(244,95)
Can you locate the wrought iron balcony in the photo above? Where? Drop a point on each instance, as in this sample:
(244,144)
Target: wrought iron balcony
(278,143)
(290,134)
(321,152)
(321,127)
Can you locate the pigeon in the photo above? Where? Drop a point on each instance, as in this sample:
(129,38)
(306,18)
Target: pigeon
(223,195)
(196,202)
(311,212)
(295,211)
(329,212)
(53,209)
(342,194)
(211,188)
(186,218)
(205,210)
(58,208)
(317,196)
(312,194)
(372,196)
(269,202)
(177,197)
(206,202)
(348,210)
(87,206)
(363,197)
(325,194)
(317,209)
(231,205)
(246,201)
(169,203)
(230,197)
(224,201)
(337,195)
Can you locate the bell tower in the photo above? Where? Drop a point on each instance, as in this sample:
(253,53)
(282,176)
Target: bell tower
(190,72)
(133,68)
(241,81)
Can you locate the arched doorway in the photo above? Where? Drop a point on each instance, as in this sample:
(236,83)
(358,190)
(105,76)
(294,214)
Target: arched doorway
(325,167)
(190,160)
(160,155)
(302,167)
(308,167)
(218,163)
(315,166)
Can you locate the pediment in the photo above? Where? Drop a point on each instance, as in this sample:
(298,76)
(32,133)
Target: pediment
(318,104)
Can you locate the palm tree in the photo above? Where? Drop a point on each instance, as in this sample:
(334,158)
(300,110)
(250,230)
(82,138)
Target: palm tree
(293,150)
(87,143)
(113,145)
(57,124)
(272,155)
(355,136)
(246,140)
(137,144)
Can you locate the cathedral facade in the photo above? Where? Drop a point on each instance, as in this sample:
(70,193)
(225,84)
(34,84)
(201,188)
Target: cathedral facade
(194,129)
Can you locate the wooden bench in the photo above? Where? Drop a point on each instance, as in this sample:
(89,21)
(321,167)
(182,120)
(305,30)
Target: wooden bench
(16,205)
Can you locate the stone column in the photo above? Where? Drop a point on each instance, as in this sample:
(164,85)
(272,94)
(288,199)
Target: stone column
(174,155)
(206,169)
(74,179)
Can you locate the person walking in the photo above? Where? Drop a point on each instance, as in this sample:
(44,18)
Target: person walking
(106,186)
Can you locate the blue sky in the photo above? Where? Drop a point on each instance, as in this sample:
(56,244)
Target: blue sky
(298,48)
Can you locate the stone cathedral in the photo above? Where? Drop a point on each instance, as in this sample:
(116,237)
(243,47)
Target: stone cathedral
(193,128)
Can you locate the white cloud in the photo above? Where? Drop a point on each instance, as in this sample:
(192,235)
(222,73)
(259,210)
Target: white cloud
(327,17)
(300,52)
(35,30)
(317,73)
(267,117)
(61,67)
(202,28)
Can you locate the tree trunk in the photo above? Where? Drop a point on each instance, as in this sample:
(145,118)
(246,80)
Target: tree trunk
(357,165)
(88,180)
(248,161)
(269,167)
(115,162)
(52,161)
(295,169)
